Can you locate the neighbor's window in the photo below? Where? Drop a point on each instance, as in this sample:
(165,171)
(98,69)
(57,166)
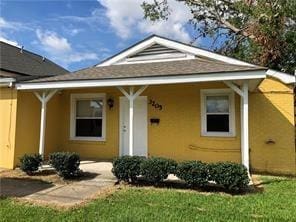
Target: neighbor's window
(88,121)
(217,112)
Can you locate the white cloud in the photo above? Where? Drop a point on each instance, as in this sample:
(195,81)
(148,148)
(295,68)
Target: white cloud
(13,26)
(128,18)
(52,41)
(10,42)
(6,24)
(75,31)
(96,20)
(81,56)
(59,49)
(3,36)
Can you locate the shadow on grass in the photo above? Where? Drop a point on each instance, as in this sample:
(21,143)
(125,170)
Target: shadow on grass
(20,187)
(209,188)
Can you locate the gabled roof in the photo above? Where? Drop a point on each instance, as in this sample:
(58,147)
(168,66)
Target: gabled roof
(22,64)
(188,51)
(157,60)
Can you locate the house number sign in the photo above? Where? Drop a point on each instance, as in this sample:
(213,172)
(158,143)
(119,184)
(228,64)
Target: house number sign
(155,104)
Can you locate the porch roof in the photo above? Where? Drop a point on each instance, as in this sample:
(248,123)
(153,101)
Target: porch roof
(152,69)
(153,73)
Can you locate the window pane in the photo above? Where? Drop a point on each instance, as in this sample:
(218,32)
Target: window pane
(217,123)
(89,108)
(217,104)
(89,127)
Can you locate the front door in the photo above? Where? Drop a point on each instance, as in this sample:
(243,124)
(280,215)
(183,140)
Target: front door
(140,126)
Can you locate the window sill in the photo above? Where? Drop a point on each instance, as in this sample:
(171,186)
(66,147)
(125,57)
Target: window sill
(90,139)
(217,134)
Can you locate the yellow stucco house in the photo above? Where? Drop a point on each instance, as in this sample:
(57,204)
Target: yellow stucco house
(158,97)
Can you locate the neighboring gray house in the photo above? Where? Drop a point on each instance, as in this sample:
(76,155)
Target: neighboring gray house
(19,64)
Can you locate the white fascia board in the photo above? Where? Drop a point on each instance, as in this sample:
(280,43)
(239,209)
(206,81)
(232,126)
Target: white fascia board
(159,80)
(284,77)
(174,45)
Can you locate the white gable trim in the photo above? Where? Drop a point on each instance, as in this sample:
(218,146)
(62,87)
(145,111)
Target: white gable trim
(174,45)
(284,77)
(153,80)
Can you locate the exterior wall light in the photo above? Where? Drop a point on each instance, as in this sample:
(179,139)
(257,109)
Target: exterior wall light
(110,103)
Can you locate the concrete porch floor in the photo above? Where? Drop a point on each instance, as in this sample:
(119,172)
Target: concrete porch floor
(65,195)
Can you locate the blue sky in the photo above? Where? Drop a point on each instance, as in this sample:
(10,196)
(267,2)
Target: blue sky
(79,34)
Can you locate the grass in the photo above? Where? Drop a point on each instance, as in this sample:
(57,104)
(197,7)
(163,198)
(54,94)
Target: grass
(276,203)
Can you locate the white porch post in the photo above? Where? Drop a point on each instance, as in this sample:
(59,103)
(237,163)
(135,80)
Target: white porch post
(245,124)
(42,125)
(244,95)
(131,122)
(131,96)
(43,99)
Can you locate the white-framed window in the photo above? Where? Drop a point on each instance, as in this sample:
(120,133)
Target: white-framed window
(217,112)
(88,117)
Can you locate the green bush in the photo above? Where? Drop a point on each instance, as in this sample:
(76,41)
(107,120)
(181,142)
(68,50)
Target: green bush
(232,176)
(65,163)
(30,163)
(127,168)
(194,173)
(156,169)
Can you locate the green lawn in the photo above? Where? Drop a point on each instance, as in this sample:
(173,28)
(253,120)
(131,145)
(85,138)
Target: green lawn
(276,203)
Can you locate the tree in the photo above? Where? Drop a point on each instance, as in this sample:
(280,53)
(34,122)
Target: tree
(258,31)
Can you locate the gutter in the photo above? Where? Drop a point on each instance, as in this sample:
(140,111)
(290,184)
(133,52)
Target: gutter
(6,82)
(284,77)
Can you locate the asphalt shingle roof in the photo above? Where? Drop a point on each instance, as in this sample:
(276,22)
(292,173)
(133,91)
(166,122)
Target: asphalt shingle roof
(169,68)
(26,65)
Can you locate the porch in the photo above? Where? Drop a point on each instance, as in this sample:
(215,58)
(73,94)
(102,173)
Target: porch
(168,120)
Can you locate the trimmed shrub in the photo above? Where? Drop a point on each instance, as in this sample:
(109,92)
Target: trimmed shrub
(30,163)
(194,173)
(65,163)
(232,176)
(156,169)
(127,168)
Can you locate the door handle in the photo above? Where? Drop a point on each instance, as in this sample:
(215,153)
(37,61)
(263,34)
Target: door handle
(124,128)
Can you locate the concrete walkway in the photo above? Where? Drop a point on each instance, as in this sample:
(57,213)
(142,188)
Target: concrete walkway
(100,180)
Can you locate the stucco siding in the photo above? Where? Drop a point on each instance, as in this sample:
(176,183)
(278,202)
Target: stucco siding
(91,149)
(8,104)
(272,130)
(28,125)
(178,135)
